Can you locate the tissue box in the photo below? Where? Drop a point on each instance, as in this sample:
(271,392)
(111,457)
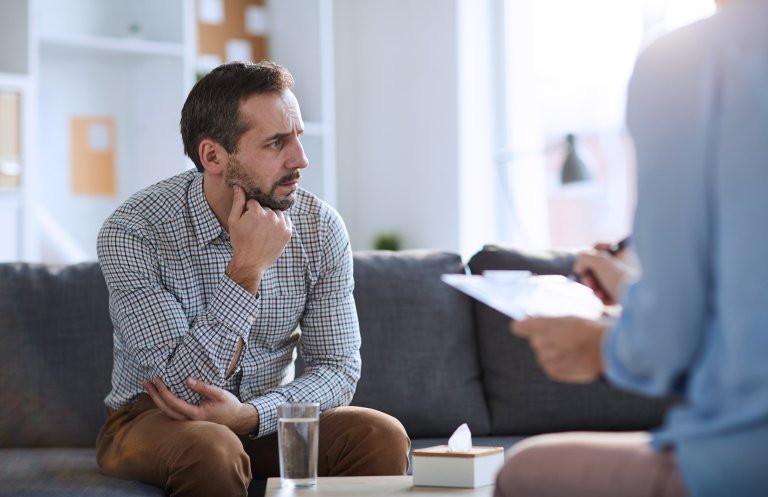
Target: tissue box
(439,467)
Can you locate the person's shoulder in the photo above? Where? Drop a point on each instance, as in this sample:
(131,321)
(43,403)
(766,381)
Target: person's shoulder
(679,45)
(673,67)
(705,38)
(157,203)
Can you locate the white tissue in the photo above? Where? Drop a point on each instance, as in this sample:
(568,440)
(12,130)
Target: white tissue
(461,440)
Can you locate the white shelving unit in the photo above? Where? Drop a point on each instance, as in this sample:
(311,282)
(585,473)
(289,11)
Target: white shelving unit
(131,62)
(14,80)
(11,196)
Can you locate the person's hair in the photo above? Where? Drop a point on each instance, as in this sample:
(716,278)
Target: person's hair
(212,109)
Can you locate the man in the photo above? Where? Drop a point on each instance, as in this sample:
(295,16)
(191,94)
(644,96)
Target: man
(210,274)
(694,325)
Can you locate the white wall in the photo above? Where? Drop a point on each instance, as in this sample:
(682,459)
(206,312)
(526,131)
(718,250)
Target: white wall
(481,129)
(397,117)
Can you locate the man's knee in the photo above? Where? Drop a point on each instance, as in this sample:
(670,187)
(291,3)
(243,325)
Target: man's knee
(214,452)
(184,457)
(382,430)
(213,462)
(362,441)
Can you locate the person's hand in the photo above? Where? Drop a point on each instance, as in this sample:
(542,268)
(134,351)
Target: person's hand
(567,349)
(604,273)
(259,235)
(218,406)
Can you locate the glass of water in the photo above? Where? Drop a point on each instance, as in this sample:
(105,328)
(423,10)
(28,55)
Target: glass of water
(298,425)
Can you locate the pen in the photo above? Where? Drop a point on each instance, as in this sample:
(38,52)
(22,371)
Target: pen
(617,247)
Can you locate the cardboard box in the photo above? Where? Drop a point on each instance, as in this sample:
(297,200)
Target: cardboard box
(439,467)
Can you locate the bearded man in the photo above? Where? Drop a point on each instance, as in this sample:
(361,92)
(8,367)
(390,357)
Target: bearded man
(216,276)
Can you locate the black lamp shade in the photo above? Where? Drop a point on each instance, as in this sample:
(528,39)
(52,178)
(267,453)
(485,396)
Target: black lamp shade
(573,170)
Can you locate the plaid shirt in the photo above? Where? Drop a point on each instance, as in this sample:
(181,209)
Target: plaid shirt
(176,314)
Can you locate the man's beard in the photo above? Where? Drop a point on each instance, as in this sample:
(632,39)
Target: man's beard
(236,175)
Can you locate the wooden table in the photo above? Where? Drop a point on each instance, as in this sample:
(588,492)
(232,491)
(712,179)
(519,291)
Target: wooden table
(370,486)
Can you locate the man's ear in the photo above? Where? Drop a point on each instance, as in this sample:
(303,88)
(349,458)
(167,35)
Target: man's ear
(213,156)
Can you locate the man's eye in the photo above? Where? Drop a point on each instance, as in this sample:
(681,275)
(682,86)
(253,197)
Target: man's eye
(275,144)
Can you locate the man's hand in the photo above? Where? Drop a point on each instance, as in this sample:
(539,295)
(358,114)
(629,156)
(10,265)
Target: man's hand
(218,406)
(568,349)
(258,236)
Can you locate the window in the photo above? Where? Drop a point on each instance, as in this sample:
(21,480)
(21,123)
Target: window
(566,66)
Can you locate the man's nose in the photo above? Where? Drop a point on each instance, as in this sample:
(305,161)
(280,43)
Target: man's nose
(298,159)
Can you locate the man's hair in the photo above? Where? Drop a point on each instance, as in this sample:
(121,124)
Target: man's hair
(212,109)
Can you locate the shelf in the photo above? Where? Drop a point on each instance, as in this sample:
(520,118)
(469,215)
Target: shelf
(111,45)
(133,63)
(13,81)
(10,192)
(120,70)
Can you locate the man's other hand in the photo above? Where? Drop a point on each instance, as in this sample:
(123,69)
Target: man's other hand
(218,406)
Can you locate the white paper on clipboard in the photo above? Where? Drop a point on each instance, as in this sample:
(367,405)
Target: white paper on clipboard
(519,294)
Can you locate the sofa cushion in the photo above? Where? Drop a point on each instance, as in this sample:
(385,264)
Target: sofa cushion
(55,354)
(420,358)
(522,400)
(63,472)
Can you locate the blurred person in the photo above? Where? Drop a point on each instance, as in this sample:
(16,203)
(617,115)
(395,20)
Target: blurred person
(694,323)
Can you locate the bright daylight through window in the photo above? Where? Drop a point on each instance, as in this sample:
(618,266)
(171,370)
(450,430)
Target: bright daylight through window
(567,67)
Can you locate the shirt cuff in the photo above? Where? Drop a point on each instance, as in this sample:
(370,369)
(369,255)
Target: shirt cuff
(266,405)
(234,307)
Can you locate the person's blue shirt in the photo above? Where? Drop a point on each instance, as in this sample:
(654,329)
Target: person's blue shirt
(696,323)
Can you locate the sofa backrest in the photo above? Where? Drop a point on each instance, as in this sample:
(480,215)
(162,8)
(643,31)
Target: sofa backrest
(419,351)
(521,399)
(55,354)
(432,357)
(420,358)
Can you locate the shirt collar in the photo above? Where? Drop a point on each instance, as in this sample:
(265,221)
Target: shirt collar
(207,227)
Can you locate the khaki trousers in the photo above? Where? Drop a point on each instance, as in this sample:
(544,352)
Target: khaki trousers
(200,458)
(589,465)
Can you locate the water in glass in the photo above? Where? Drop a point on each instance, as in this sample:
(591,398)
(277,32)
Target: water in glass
(298,440)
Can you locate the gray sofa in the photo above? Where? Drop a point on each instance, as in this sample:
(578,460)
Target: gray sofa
(432,357)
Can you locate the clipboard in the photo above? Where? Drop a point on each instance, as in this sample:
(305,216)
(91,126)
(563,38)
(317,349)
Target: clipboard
(520,294)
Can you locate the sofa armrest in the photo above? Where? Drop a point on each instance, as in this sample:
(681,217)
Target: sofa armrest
(510,257)
(55,354)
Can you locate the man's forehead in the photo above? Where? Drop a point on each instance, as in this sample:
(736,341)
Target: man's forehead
(278,100)
(276,111)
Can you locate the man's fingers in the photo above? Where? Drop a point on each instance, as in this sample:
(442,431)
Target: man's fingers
(162,398)
(253,205)
(238,198)
(602,246)
(202,388)
(238,202)
(537,327)
(522,328)
(154,394)
(174,403)
(584,263)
